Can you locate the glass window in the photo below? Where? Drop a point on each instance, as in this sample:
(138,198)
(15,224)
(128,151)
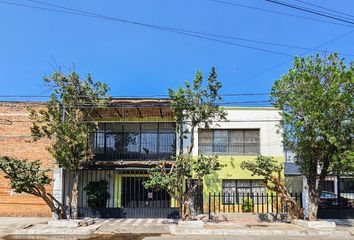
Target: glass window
(220,141)
(234,190)
(205,139)
(229,142)
(134,140)
(148,143)
(166,142)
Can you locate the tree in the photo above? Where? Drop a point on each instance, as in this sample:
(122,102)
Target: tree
(27,177)
(272,172)
(68,121)
(316,100)
(194,106)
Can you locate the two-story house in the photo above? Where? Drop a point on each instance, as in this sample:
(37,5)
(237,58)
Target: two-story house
(133,134)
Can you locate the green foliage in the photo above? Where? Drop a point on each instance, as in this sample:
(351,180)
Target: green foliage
(264,166)
(67,119)
(247,204)
(195,105)
(316,99)
(68,122)
(97,194)
(184,167)
(25,177)
(271,171)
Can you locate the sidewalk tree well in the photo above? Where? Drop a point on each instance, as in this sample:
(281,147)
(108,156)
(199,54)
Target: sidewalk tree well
(316,100)
(272,172)
(27,177)
(195,105)
(68,122)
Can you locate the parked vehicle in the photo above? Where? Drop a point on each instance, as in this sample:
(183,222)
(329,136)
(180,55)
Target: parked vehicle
(329,199)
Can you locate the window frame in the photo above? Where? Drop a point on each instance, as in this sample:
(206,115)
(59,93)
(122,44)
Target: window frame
(236,196)
(229,144)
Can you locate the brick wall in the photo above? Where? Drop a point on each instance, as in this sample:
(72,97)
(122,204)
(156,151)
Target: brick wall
(16,141)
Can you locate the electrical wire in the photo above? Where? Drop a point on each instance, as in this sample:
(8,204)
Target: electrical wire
(186,32)
(318,6)
(189,31)
(277,12)
(309,11)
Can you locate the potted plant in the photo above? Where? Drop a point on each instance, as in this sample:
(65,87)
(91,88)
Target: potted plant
(97,195)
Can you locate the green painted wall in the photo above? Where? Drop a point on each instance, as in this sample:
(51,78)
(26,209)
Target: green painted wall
(231,170)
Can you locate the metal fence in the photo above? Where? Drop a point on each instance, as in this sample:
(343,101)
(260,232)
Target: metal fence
(254,203)
(127,197)
(337,203)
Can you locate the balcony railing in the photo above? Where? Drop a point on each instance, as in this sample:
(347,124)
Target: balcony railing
(134,142)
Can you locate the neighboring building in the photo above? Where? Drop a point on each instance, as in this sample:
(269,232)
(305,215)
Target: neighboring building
(334,185)
(133,134)
(16,141)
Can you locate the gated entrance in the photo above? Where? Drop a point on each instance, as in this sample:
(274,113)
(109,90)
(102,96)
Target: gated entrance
(127,196)
(137,201)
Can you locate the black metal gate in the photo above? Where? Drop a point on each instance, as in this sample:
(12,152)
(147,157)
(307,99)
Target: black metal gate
(338,204)
(128,199)
(137,201)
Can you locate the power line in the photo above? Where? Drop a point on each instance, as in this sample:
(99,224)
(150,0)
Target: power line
(309,11)
(318,6)
(282,63)
(186,32)
(167,29)
(277,12)
(191,31)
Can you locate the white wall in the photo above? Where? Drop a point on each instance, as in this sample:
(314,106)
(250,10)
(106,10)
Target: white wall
(264,119)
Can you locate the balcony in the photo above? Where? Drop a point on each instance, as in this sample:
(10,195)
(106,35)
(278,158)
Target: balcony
(134,141)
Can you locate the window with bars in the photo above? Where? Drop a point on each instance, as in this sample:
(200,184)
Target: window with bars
(234,190)
(234,142)
(115,141)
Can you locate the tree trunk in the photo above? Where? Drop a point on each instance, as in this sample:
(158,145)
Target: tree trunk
(313,204)
(74,196)
(191,199)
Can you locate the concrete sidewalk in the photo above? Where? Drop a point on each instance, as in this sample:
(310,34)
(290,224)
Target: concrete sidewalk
(10,225)
(108,227)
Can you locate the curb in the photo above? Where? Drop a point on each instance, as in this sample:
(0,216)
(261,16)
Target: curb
(241,232)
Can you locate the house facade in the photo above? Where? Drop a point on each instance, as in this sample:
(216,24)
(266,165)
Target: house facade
(134,134)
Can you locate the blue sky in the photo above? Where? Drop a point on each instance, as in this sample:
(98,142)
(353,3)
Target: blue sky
(139,61)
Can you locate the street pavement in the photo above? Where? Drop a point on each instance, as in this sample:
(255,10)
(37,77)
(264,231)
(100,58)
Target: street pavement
(218,237)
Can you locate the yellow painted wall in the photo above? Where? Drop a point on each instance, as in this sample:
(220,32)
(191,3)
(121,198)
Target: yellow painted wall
(231,170)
